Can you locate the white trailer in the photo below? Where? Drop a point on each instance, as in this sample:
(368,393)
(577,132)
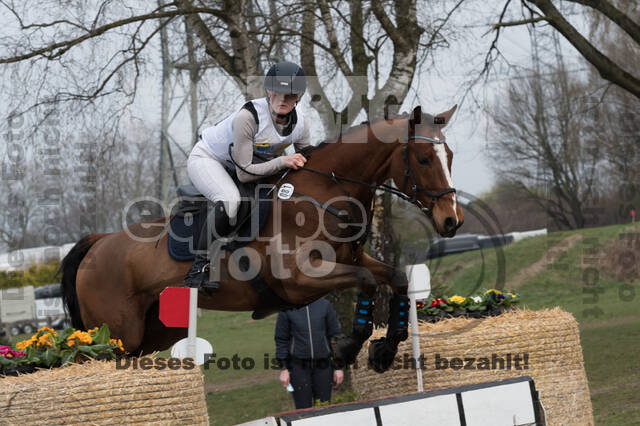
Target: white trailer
(24,309)
(17,310)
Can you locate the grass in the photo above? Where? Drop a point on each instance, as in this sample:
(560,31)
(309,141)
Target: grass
(236,334)
(613,369)
(245,404)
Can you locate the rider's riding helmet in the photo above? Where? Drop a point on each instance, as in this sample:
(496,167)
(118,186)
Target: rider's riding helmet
(286,77)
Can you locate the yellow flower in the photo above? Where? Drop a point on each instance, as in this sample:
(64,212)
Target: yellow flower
(46,340)
(93,330)
(79,337)
(117,343)
(46,329)
(457,299)
(493,291)
(24,344)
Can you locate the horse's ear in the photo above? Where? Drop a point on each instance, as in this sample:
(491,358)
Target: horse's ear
(443,118)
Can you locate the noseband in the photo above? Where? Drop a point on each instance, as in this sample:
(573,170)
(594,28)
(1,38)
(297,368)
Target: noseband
(415,188)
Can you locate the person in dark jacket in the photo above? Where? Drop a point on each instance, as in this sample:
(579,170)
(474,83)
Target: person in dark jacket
(302,347)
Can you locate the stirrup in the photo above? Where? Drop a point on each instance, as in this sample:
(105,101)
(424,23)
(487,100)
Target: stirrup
(200,279)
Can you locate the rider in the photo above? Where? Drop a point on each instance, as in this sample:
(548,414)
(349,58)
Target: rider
(260,131)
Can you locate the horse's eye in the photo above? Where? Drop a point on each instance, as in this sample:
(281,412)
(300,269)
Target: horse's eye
(423,160)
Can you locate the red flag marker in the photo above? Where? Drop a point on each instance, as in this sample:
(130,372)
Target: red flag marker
(174,307)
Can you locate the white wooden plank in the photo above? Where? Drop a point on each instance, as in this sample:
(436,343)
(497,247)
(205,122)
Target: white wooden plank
(500,405)
(362,417)
(439,410)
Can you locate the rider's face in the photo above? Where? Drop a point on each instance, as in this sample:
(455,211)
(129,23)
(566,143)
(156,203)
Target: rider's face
(281,103)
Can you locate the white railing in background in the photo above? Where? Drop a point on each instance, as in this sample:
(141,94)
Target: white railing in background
(19,260)
(517,236)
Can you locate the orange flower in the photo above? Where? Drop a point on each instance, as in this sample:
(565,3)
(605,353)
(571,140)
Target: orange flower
(46,340)
(24,344)
(117,344)
(48,330)
(79,337)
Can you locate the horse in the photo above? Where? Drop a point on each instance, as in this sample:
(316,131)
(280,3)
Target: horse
(114,279)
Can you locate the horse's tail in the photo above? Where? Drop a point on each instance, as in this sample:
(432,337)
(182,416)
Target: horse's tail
(69,268)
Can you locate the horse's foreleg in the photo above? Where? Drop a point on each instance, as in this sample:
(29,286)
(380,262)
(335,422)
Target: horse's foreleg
(384,274)
(383,351)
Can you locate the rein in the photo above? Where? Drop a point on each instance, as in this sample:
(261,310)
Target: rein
(408,175)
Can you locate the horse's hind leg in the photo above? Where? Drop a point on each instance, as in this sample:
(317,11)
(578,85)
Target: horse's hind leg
(103,303)
(125,321)
(157,337)
(326,276)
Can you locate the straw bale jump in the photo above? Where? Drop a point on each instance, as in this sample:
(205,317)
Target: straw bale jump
(460,351)
(98,393)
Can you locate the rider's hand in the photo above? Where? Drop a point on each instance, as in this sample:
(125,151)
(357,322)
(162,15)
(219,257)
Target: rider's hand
(284,378)
(294,161)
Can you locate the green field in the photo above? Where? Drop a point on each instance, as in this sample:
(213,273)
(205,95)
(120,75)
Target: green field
(609,326)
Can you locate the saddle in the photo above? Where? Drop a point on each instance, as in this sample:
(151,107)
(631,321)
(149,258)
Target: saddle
(188,219)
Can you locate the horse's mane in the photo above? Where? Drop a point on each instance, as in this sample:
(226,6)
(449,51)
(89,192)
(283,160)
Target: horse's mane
(427,119)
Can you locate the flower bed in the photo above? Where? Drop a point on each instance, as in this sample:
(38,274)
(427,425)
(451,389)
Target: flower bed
(485,304)
(48,349)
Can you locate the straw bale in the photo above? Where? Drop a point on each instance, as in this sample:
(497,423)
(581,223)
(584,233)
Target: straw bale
(98,393)
(549,337)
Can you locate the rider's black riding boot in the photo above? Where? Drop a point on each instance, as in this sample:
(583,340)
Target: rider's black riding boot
(198,275)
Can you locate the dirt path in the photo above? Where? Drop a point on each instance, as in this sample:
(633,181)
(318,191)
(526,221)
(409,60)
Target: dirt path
(549,257)
(610,322)
(242,382)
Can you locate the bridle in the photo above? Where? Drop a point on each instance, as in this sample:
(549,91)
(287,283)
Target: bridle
(415,188)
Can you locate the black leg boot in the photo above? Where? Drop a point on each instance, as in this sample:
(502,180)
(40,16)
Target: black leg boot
(198,275)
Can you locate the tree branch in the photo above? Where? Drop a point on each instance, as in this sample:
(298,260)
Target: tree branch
(605,66)
(385,21)
(58,49)
(334,47)
(521,22)
(616,15)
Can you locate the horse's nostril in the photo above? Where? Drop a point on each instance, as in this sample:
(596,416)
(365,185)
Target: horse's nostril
(449,224)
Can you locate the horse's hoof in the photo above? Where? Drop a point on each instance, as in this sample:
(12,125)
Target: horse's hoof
(345,350)
(381,355)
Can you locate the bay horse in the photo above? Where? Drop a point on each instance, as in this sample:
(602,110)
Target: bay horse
(114,279)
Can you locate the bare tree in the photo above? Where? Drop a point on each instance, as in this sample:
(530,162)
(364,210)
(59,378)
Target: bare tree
(623,13)
(543,147)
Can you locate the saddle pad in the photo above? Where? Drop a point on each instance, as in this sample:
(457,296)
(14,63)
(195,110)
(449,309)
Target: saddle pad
(184,232)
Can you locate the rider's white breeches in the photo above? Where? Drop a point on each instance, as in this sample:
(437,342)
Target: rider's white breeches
(210,177)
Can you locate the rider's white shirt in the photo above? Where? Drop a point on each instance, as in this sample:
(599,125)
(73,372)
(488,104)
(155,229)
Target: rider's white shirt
(267,142)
